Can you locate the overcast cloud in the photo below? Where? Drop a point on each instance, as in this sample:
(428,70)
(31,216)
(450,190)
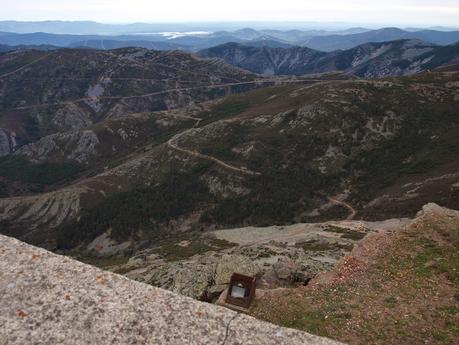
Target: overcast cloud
(397,12)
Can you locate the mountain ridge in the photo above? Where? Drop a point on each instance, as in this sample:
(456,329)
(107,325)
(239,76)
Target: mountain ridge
(337,42)
(188,40)
(67,89)
(368,60)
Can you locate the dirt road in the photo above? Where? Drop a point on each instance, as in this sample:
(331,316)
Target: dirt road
(171,143)
(351,209)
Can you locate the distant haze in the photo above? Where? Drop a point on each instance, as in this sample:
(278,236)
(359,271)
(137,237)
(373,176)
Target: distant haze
(388,12)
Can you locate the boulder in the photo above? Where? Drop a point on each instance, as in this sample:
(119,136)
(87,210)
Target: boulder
(230,264)
(285,270)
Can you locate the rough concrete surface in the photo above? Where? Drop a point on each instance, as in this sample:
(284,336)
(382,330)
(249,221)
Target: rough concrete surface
(51,299)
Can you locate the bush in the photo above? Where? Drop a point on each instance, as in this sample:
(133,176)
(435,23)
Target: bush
(275,198)
(18,168)
(142,208)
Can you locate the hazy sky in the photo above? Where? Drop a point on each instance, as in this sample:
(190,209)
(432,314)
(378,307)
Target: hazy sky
(398,12)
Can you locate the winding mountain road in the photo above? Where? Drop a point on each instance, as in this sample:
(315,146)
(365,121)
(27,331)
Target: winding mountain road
(351,209)
(224,165)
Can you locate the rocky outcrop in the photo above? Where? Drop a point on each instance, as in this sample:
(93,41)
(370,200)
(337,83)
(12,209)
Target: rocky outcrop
(71,116)
(78,146)
(277,256)
(7,142)
(201,277)
(49,299)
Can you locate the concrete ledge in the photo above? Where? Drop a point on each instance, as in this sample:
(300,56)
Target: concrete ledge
(51,299)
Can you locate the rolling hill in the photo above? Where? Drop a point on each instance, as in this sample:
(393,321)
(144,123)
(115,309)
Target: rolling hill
(270,156)
(46,92)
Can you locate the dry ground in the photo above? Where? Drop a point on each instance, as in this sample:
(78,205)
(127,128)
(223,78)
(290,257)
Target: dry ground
(399,288)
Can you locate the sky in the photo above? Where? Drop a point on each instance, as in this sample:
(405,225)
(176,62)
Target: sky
(385,12)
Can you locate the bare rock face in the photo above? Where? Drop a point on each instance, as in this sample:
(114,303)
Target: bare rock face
(77,146)
(51,299)
(7,142)
(70,117)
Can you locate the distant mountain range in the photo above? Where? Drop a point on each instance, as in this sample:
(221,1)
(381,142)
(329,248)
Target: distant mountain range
(105,44)
(194,41)
(334,42)
(91,27)
(271,57)
(402,57)
(43,47)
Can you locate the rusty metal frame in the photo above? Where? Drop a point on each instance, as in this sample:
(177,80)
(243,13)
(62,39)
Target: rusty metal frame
(249,284)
